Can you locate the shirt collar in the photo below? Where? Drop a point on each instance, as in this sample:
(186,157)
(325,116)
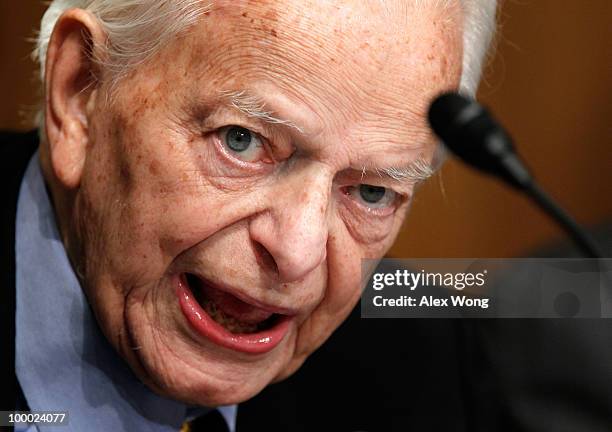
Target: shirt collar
(63,362)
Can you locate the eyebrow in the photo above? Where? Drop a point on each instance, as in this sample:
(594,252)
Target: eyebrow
(254,107)
(417,171)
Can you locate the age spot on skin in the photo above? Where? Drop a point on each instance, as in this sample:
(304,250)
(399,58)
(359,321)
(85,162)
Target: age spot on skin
(271,15)
(154,167)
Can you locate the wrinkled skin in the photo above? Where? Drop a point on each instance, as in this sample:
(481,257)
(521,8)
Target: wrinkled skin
(145,189)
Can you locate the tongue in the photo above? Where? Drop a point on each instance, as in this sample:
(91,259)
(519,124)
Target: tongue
(233,306)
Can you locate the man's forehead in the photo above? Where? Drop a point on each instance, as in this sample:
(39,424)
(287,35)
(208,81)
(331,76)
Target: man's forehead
(328,66)
(360,64)
(390,23)
(338,11)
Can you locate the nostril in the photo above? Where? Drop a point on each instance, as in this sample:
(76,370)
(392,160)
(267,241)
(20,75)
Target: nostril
(265,258)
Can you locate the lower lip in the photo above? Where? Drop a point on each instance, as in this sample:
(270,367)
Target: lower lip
(251,343)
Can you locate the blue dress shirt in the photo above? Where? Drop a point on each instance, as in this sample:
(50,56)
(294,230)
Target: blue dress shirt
(63,361)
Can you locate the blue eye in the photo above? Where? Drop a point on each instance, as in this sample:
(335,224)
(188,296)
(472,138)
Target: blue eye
(371,194)
(238,139)
(242,143)
(373,197)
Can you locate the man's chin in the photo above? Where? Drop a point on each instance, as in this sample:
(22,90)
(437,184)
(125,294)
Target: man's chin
(199,372)
(211,397)
(198,387)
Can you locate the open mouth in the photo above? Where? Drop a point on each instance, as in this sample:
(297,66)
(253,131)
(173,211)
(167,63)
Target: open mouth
(229,311)
(227,320)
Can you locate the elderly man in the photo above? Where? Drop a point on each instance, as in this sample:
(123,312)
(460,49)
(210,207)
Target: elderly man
(208,179)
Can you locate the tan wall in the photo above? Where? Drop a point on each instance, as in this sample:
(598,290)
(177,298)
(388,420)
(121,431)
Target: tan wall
(550,84)
(19,90)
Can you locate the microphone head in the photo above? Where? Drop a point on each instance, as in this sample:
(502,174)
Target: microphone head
(445,114)
(470,132)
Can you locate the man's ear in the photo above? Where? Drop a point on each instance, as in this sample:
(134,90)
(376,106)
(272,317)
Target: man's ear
(70,83)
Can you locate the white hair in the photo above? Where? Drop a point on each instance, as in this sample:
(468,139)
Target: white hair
(137,29)
(479,25)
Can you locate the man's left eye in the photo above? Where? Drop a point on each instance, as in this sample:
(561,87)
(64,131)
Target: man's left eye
(242,143)
(370,196)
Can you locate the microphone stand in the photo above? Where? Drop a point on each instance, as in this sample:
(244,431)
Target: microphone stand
(564,220)
(470,132)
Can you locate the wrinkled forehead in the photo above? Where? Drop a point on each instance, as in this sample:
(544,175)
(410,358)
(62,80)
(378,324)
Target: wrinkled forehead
(345,59)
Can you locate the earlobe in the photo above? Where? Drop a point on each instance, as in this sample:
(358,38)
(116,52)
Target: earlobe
(70,83)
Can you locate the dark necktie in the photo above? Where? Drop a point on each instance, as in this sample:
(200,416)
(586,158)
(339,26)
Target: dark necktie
(209,422)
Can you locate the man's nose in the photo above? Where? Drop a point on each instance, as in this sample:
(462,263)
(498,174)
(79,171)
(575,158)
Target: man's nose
(291,235)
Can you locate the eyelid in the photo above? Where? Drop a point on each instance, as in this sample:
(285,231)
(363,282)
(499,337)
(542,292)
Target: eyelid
(354,177)
(224,118)
(255,133)
(381,212)
(401,193)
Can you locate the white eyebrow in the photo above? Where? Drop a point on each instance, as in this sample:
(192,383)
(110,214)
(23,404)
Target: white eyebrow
(415,172)
(253,106)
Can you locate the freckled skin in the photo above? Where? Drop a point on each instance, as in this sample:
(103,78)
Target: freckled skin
(157,198)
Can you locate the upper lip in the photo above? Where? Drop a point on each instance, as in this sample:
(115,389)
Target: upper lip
(222,286)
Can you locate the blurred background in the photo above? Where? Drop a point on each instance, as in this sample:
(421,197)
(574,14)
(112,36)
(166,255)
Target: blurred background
(548,81)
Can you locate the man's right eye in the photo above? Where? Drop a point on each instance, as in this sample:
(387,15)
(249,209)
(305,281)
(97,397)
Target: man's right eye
(243,144)
(373,197)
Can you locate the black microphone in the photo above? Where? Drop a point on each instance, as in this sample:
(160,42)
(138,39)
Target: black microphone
(471,133)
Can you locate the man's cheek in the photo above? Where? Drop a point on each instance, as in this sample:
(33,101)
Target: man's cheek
(192,214)
(341,294)
(121,240)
